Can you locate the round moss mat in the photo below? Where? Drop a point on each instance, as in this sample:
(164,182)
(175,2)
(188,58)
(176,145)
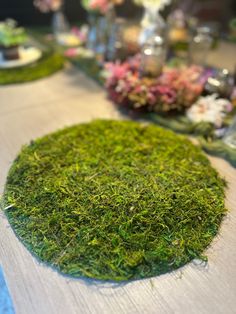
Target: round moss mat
(114,200)
(50,63)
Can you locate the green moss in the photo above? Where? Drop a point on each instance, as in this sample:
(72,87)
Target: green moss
(114,200)
(50,63)
(205,132)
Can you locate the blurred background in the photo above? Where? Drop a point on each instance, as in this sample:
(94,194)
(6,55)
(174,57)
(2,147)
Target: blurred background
(206,10)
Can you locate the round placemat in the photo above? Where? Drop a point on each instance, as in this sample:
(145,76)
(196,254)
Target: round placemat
(114,200)
(26,56)
(49,63)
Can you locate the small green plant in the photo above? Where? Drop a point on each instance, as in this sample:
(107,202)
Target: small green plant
(11,35)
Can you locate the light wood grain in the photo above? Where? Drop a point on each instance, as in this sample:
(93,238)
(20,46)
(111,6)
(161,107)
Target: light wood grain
(32,110)
(224,56)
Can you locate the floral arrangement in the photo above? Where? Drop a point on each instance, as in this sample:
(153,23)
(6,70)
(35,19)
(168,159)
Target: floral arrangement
(11,35)
(99,6)
(74,37)
(176,89)
(80,52)
(48,5)
(210,109)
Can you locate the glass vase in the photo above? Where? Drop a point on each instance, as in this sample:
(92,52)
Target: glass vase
(222,83)
(116,48)
(178,33)
(99,32)
(152,24)
(200,46)
(153,56)
(92,34)
(60,25)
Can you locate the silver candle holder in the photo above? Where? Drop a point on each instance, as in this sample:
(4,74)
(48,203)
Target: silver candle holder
(222,84)
(200,46)
(153,56)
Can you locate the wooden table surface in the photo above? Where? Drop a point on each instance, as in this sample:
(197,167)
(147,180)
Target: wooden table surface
(34,109)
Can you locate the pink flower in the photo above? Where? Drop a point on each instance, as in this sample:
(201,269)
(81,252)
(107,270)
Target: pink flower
(80,33)
(152,99)
(233,96)
(134,62)
(71,52)
(48,5)
(175,89)
(99,5)
(116,71)
(138,89)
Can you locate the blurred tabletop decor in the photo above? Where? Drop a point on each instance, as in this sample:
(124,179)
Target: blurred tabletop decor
(15,48)
(23,58)
(165,77)
(157,68)
(60,25)
(11,39)
(152,22)
(101,17)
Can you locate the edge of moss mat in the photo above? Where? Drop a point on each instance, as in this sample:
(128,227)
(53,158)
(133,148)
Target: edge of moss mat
(203,130)
(114,200)
(50,63)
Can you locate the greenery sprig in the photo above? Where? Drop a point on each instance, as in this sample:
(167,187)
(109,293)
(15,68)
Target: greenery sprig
(11,35)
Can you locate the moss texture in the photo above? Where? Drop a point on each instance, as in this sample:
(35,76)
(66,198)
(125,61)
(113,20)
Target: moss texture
(114,200)
(205,132)
(50,63)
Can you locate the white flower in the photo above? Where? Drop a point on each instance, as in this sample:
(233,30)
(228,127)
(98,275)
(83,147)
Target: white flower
(120,86)
(209,109)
